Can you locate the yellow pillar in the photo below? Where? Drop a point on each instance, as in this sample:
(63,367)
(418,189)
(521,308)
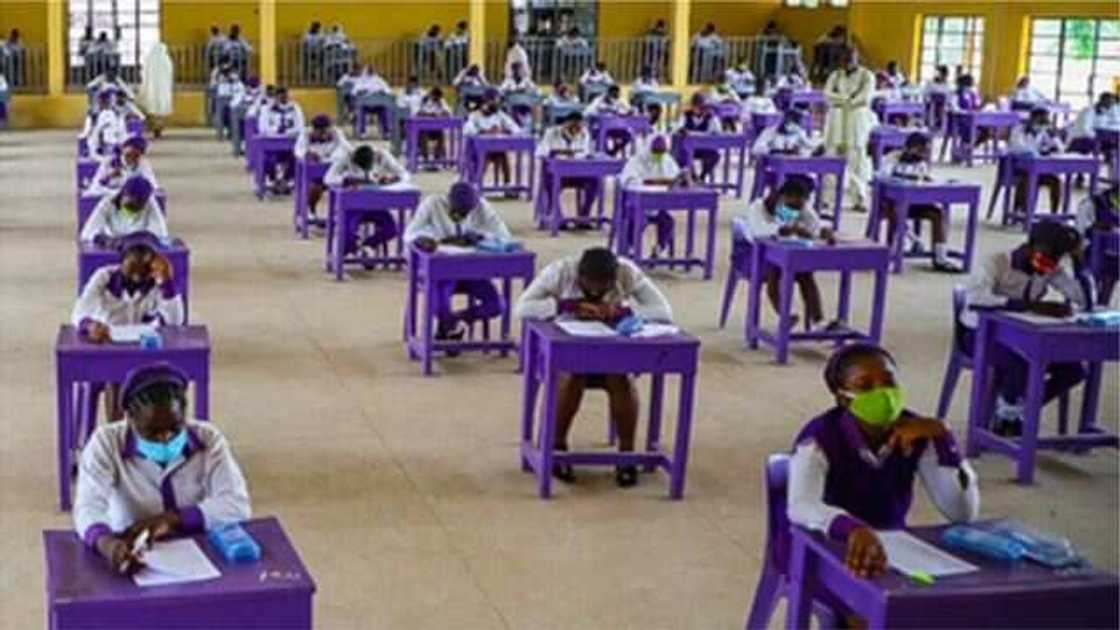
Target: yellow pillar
(268,41)
(682,13)
(56,48)
(477,29)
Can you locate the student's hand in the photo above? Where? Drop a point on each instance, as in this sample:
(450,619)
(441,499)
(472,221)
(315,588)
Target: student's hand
(865,557)
(801,232)
(906,432)
(98,332)
(1050,309)
(161,269)
(118,553)
(589,310)
(462,240)
(786,231)
(385,180)
(426,244)
(828,236)
(159,527)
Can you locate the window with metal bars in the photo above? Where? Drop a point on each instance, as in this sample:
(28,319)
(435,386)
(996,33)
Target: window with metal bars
(1073,59)
(954,41)
(110,33)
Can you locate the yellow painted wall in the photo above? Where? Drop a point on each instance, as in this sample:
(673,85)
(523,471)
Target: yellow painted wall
(733,17)
(621,19)
(188,22)
(805,26)
(369,19)
(29,17)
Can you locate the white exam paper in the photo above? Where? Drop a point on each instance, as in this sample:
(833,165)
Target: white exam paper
(577,328)
(129,333)
(656,330)
(175,562)
(911,555)
(455,249)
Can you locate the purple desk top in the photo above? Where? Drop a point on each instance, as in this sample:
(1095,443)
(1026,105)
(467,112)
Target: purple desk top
(594,165)
(76,575)
(502,142)
(554,335)
(175,338)
(477,265)
(1060,341)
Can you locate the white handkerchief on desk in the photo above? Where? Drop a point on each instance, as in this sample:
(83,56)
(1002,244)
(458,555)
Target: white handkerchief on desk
(911,555)
(577,328)
(175,562)
(656,330)
(455,249)
(129,333)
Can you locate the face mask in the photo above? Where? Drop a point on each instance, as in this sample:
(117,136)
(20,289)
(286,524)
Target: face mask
(163,453)
(658,157)
(787,214)
(130,208)
(1043,264)
(880,406)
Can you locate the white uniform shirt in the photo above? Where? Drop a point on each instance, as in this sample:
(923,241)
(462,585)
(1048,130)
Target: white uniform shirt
(759,105)
(643,86)
(118,486)
(229,86)
(110,177)
(106,300)
(557,138)
(1027,95)
(741,80)
(522,85)
(603,104)
(559,281)
(371,84)
(759,224)
(479,123)
(1036,143)
(246,96)
(410,102)
(433,220)
(1088,121)
(995,283)
(894,167)
(281,120)
(109,220)
(592,76)
(325,151)
(643,165)
(385,166)
(463,79)
(433,107)
(104,131)
(779,139)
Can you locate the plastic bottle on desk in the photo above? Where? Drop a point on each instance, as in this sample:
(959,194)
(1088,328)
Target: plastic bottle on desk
(984,543)
(234,543)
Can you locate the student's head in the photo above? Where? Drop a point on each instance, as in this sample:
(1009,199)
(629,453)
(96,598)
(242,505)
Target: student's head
(601,66)
(942,72)
(105,97)
(573,32)
(792,118)
(653,112)
(793,193)
(517,69)
(234,30)
(596,273)
(965,82)
(573,122)
(137,251)
(321,127)
(1023,82)
(473,70)
(1048,243)
(363,157)
(1105,102)
(560,88)
(214,30)
(132,149)
(709,28)
(436,93)
(881,80)
(433,30)
(270,91)
(698,103)
(461,25)
(154,398)
(1039,118)
(892,66)
(864,380)
(462,199)
(252,82)
(282,94)
(614,92)
(316,27)
(917,144)
(135,193)
(103,36)
(646,72)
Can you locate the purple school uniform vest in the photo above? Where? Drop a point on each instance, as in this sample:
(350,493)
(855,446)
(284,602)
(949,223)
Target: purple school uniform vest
(967,100)
(1104,212)
(697,122)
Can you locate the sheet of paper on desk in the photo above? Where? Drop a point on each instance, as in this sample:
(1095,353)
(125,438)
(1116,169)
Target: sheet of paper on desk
(174,562)
(129,333)
(1042,320)
(578,328)
(455,249)
(912,555)
(657,330)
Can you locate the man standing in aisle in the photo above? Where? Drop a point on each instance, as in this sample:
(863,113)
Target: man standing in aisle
(848,126)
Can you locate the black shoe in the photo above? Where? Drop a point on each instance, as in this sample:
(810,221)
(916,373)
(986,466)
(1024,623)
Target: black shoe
(1009,428)
(941,266)
(626,476)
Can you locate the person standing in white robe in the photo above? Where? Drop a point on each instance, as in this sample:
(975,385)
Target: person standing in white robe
(156,86)
(848,126)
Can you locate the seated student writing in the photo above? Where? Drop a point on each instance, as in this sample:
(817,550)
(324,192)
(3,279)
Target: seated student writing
(699,118)
(1026,95)
(1019,281)
(1100,213)
(117,167)
(759,102)
(490,120)
(913,164)
(132,209)
(896,78)
(518,83)
(1083,131)
(785,138)
(792,80)
(462,218)
(411,96)
(571,139)
(595,78)
(787,214)
(741,79)
(321,143)
(643,85)
(1036,138)
(433,106)
(561,94)
(367,166)
(470,77)
(596,285)
(282,118)
(853,467)
(610,103)
(652,165)
(158,473)
(127,109)
(104,128)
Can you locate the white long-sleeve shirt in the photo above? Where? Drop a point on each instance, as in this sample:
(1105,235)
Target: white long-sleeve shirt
(112,173)
(105,130)
(118,486)
(1027,95)
(644,86)
(643,166)
(779,139)
(759,105)
(593,76)
(464,79)
(281,120)
(1088,121)
(894,167)
(603,104)
(385,167)
(757,223)
(109,219)
(102,81)
(1040,142)
(433,220)
(410,101)
(516,86)
(433,107)
(557,138)
(325,151)
(479,123)
(105,299)
(559,282)
(996,284)
(371,84)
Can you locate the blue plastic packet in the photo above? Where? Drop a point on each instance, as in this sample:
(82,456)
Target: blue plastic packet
(799,242)
(498,247)
(1100,319)
(982,542)
(151,340)
(629,325)
(1046,549)
(234,543)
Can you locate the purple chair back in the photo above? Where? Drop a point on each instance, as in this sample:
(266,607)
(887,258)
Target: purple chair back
(777,521)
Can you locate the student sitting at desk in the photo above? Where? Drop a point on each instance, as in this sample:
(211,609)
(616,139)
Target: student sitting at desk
(896,79)
(610,103)
(470,77)
(571,139)
(110,79)
(433,106)
(1083,131)
(319,144)
(490,120)
(283,118)
(793,80)
(741,79)
(939,84)
(913,164)
(461,218)
(370,82)
(724,92)
(411,96)
(645,84)
(1036,138)
(264,100)
(126,108)
(595,286)
(1025,94)
(759,103)
(116,168)
(156,475)
(652,165)
(1018,281)
(786,214)
(249,94)
(785,138)
(367,166)
(596,77)
(699,118)
(853,467)
(104,127)
(561,94)
(133,209)
(1100,213)
(518,83)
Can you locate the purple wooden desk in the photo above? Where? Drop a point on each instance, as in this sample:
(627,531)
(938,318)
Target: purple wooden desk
(635,205)
(1103,257)
(1108,142)
(78,361)
(85,169)
(451,126)
(730,146)
(262,147)
(999,595)
(473,164)
(773,170)
(306,173)
(887,138)
(1040,345)
(794,258)
(83,148)
(275,592)
(601,126)
(905,193)
(554,171)
(963,148)
(358,201)
(91,258)
(549,352)
(426,271)
(729,112)
(885,109)
(382,104)
(251,132)
(1034,166)
(87,204)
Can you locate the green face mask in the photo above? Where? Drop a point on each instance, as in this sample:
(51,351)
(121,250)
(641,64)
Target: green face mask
(130,209)
(880,406)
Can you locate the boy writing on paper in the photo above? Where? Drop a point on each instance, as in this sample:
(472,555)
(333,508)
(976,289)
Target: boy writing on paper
(118,167)
(595,286)
(1036,138)
(367,166)
(652,165)
(321,143)
(571,139)
(133,209)
(490,120)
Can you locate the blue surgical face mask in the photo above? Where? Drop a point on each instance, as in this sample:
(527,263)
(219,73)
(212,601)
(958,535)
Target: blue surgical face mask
(162,453)
(787,214)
